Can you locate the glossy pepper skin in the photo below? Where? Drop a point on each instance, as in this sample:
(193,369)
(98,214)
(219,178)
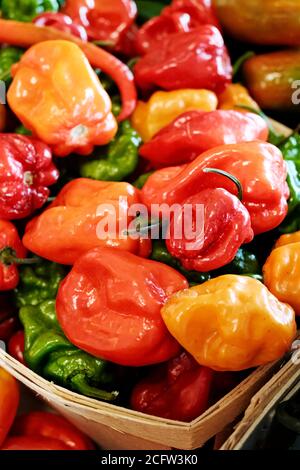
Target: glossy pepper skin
(120,159)
(38,283)
(234,96)
(9,402)
(178,389)
(103,20)
(48,352)
(165,106)
(9,240)
(51,426)
(26,10)
(194,132)
(282,270)
(8,57)
(26,171)
(269,22)
(265,191)
(211,245)
(72,111)
(16,346)
(61,22)
(270,78)
(230,323)
(77,221)
(114,294)
(180,16)
(200,52)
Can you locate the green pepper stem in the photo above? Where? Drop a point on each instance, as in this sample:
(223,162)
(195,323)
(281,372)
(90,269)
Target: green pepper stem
(8,257)
(80,385)
(104,43)
(240,62)
(233,178)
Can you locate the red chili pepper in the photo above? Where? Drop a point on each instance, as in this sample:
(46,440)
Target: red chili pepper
(194,132)
(8,319)
(180,16)
(61,22)
(223,227)
(16,346)
(33,443)
(197,59)
(9,402)
(11,249)
(126,44)
(51,426)
(109,306)
(176,390)
(26,171)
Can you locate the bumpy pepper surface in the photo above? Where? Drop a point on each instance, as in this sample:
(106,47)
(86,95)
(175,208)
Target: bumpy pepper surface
(26,10)
(61,22)
(230,323)
(109,305)
(10,246)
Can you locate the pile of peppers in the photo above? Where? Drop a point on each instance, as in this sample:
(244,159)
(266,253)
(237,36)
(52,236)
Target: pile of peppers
(135,110)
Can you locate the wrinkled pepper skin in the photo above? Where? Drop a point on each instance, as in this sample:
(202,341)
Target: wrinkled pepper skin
(180,16)
(26,171)
(26,10)
(77,221)
(114,294)
(62,23)
(120,160)
(164,392)
(9,402)
(38,283)
(9,239)
(213,245)
(230,323)
(194,132)
(48,352)
(267,22)
(200,52)
(270,77)
(165,106)
(265,191)
(72,111)
(234,96)
(282,270)
(8,57)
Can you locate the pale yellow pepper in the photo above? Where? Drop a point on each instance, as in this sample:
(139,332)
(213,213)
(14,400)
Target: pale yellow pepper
(230,323)
(165,106)
(235,95)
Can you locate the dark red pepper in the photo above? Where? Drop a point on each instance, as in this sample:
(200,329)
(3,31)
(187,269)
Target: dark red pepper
(178,390)
(16,346)
(11,247)
(61,22)
(8,318)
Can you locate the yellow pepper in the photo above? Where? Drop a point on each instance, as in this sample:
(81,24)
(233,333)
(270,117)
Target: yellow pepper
(282,270)
(165,106)
(230,323)
(235,95)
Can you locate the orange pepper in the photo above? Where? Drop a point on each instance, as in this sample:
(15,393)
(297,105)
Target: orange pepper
(282,270)
(9,402)
(230,323)
(235,95)
(56,94)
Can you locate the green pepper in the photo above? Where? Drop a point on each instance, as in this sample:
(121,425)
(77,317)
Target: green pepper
(26,10)
(8,57)
(22,130)
(147,9)
(49,353)
(244,263)
(38,283)
(120,159)
(142,179)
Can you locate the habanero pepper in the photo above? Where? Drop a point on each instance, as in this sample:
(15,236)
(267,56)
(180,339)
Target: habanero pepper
(12,251)
(61,22)
(16,346)
(26,10)
(72,111)
(234,96)
(265,191)
(48,352)
(180,16)
(26,171)
(201,52)
(178,390)
(194,132)
(9,402)
(77,221)
(127,295)
(230,323)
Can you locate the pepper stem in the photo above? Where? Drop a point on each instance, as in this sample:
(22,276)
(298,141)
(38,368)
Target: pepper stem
(8,256)
(80,385)
(233,178)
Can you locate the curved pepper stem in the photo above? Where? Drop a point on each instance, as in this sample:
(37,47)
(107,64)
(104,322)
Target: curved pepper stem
(240,62)
(235,180)
(80,384)
(8,256)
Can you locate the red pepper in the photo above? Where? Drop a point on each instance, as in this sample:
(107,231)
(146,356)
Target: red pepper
(109,306)
(9,402)
(126,44)
(26,171)
(197,59)
(61,22)
(33,443)
(176,390)
(8,319)
(16,346)
(180,16)
(194,132)
(104,20)
(224,227)
(51,426)
(11,248)
(259,166)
